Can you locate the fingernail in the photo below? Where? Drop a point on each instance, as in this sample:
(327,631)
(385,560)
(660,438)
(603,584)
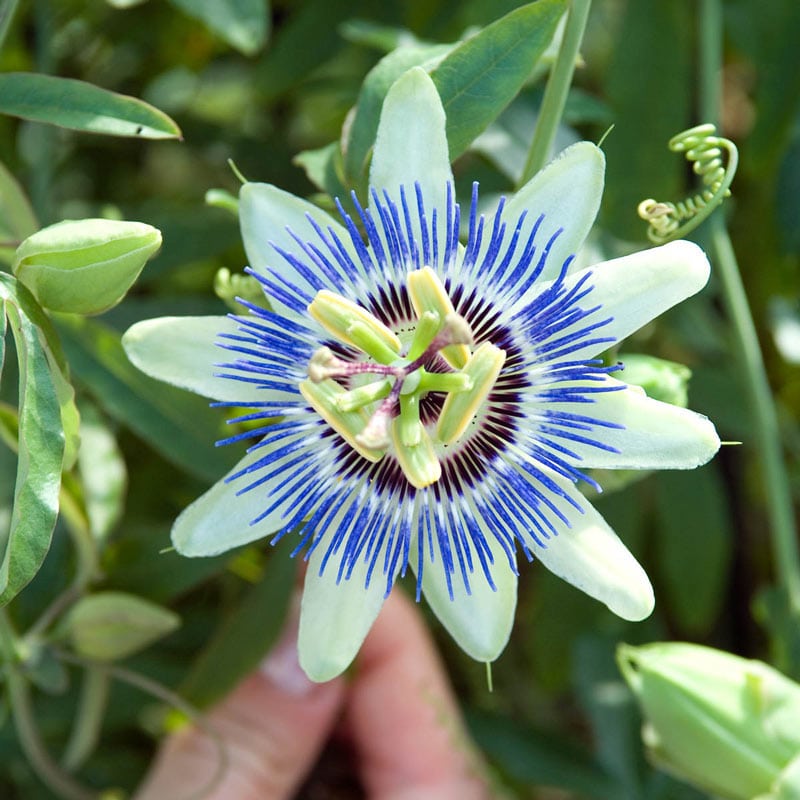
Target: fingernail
(281,666)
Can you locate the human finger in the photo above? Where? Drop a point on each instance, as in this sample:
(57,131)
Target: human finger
(407,730)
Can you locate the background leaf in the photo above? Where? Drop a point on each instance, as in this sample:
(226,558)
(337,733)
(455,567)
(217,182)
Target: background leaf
(40,453)
(17,219)
(245,635)
(244,24)
(177,424)
(76,104)
(481,76)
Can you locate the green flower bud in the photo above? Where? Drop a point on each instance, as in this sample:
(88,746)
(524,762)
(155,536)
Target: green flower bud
(84,266)
(725,723)
(662,380)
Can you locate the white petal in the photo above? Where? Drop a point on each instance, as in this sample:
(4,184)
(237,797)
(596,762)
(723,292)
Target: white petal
(266,217)
(182,351)
(654,435)
(335,618)
(568,192)
(591,557)
(479,622)
(637,288)
(411,144)
(219,520)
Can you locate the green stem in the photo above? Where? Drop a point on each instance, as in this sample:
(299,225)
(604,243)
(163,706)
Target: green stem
(766,433)
(7,10)
(555,93)
(89,719)
(18,691)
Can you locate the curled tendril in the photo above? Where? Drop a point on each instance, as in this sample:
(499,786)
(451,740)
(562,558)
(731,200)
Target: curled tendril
(704,149)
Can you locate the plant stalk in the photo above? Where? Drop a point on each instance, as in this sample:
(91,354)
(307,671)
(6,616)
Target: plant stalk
(555,93)
(766,431)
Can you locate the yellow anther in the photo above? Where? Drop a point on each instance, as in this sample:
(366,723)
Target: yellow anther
(354,325)
(348,424)
(460,408)
(418,462)
(428,294)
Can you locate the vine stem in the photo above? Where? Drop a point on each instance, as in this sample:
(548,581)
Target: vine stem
(18,690)
(555,93)
(767,432)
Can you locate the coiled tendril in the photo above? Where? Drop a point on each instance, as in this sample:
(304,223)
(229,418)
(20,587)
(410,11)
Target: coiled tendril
(704,149)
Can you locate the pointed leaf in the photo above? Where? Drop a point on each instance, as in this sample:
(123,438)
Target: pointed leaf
(81,106)
(41,452)
(108,626)
(481,76)
(243,24)
(359,136)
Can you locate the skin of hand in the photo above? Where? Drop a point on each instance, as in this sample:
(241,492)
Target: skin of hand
(397,709)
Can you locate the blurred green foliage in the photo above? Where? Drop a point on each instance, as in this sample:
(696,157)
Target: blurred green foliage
(259,91)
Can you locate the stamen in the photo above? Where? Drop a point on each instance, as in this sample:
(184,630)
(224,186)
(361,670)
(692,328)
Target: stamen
(459,409)
(353,325)
(428,294)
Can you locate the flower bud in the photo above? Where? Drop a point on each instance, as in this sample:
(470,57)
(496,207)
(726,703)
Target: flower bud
(84,266)
(662,380)
(725,723)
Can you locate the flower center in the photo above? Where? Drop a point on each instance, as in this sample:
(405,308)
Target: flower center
(373,400)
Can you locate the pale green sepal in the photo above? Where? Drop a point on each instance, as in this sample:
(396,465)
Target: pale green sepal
(711,718)
(591,557)
(265,213)
(635,289)
(84,266)
(654,435)
(219,520)
(335,618)
(787,787)
(480,622)
(411,145)
(183,351)
(568,192)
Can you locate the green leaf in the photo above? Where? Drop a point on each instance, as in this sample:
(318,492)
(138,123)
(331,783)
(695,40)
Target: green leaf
(243,639)
(693,545)
(647,80)
(82,106)
(243,24)
(359,136)
(103,473)
(481,76)
(17,220)
(41,450)
(108,626)
(323,167)
(175,423)
(533,756)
